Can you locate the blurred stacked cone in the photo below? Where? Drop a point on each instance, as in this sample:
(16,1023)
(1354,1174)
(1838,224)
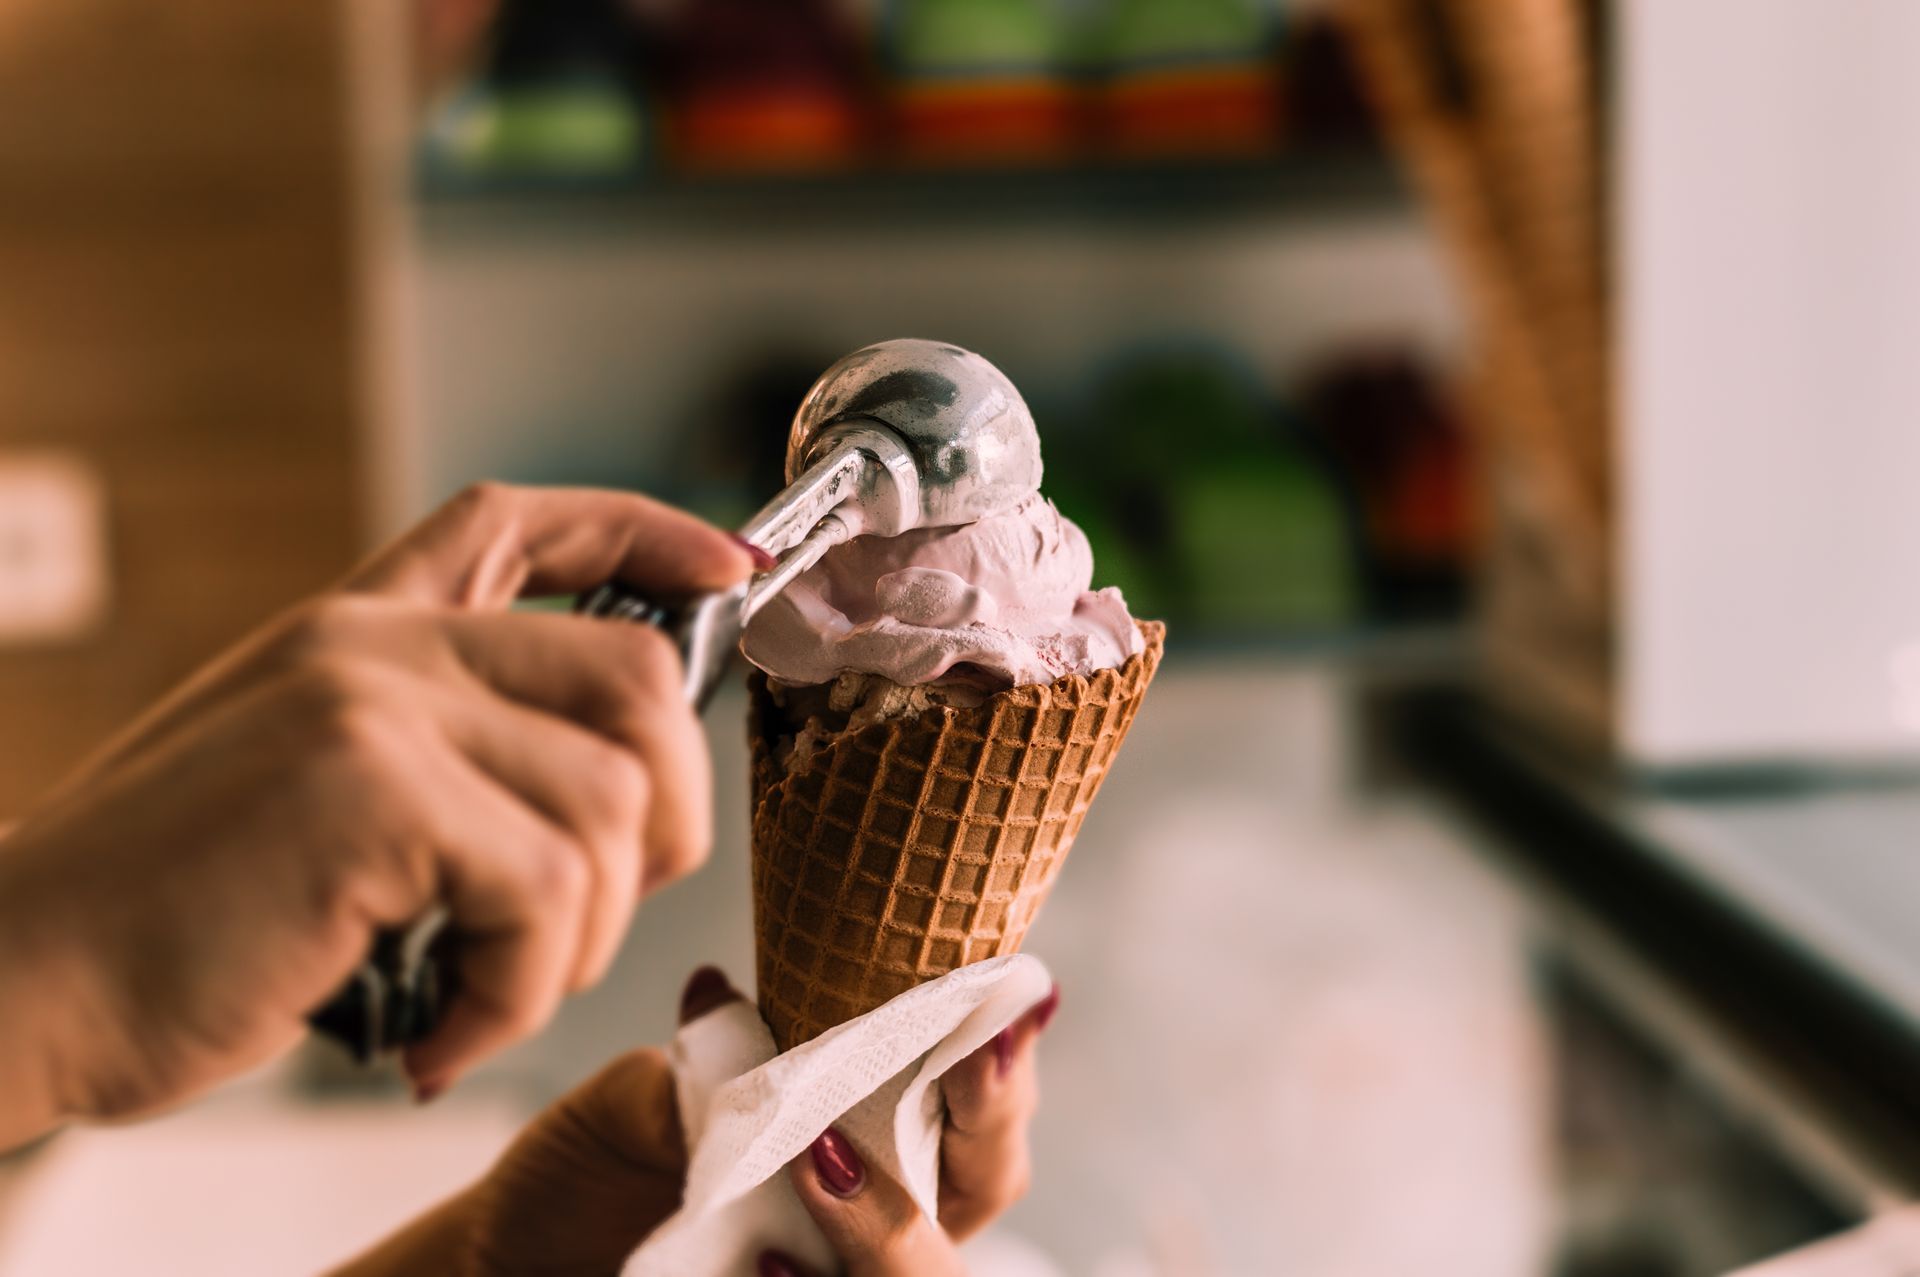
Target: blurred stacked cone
(1492,104)
(905,849)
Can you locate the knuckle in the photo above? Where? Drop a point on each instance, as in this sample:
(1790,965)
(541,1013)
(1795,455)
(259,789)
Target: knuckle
(525,1017)
(517,1009)
(672,858)
(625,719)
(650,664)
(347,704)
(617,781)
(899,1236)
(561,873)
(480,500)
(326,624)
(479,510)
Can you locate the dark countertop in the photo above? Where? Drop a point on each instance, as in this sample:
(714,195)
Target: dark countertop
(1783,921)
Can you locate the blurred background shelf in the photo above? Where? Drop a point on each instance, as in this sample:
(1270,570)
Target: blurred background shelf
(1310,183)
(642,230)
(1422,651)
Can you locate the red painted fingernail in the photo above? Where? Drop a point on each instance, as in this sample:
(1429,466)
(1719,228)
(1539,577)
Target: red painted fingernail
(761,559)
(428,1092)
(1042,1014)
(706,990)
(1003,1051)
(838,1164)
(773,1263)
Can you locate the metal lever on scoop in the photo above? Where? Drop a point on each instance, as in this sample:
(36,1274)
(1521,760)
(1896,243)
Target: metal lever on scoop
(864,481)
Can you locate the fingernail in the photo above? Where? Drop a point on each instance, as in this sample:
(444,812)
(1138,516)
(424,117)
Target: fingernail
(706,989)
(761,559)
(1042,1014)
(1003,1051)
(838,1164)
(773,1263)
(428,1092)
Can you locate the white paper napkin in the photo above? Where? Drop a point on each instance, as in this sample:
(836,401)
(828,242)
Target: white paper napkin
(747,1112)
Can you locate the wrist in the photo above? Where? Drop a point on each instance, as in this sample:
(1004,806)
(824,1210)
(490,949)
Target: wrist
(37,995)
(438,1241)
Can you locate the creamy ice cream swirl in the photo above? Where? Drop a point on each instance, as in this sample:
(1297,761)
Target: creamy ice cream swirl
(998,603)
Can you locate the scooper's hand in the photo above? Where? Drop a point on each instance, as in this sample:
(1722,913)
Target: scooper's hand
(172,914)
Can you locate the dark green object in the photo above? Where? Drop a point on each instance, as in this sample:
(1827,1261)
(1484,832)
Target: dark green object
(1264,546)
(1199,505)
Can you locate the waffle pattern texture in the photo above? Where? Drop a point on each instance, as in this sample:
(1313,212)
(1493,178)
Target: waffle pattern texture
(911,847)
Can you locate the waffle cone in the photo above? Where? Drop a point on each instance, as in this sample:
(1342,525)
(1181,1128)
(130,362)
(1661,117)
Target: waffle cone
(907,848)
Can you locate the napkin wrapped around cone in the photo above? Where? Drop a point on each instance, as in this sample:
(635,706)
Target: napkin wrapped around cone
(900,850)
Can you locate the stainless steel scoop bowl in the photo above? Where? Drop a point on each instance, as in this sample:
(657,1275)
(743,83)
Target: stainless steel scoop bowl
(900,435)
(968,432)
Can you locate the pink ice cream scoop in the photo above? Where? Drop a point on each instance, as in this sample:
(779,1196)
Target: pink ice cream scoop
(1002,601)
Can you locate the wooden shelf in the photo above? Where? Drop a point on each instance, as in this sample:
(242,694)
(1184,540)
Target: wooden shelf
(1318,182)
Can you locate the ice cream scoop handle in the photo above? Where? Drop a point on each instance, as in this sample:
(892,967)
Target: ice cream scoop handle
(705,630)
(397,994)
(841,475)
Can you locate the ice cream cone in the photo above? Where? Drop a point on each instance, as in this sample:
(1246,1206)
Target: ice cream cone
(901,850)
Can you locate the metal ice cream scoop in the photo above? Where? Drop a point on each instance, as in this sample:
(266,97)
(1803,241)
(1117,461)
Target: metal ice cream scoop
(905,434)
(900,435)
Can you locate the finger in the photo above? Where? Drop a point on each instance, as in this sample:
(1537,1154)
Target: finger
(516,890)
(622,681)
(708,989)
(777,1263)
(872,1223)
(586,1182)
(629,1105)
(494,543)
(594,791)
(985,1162)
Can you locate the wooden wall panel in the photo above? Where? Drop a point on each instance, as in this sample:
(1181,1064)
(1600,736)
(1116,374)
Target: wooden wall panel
(187,271)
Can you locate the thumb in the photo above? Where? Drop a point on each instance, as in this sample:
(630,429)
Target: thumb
(872,1223)
(588,1180)
(494,543)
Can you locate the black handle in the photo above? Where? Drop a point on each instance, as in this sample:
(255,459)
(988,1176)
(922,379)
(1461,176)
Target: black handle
(397,995)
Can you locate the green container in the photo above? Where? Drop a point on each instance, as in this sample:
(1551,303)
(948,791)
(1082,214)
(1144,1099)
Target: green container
(1151,32)
(958,36)
(580,127)
(1200,505)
